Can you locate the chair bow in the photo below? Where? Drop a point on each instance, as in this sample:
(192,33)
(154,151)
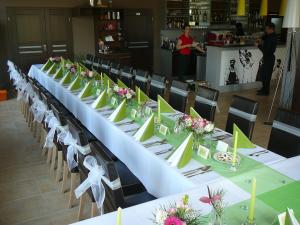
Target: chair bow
(94,180)
(53,123)
(38,109)
(73,149)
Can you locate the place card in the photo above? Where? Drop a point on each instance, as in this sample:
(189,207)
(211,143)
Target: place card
(163,129)
(148,111)
(113,101)
(203,152)
(98,92)
(222,146)
(133,113)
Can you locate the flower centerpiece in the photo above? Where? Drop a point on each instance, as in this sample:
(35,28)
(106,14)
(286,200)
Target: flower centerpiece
(180,213)
(215,199)
(71,67)
(56,59)
(197,125)
(124,93)
(87,74)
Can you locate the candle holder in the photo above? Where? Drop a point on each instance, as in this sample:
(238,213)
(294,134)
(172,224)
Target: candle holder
(249,222)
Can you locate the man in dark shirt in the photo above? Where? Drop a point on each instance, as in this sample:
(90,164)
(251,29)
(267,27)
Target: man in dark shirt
(268,46)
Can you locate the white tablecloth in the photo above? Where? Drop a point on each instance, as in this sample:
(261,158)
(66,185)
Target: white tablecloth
(153,171)
(289,167)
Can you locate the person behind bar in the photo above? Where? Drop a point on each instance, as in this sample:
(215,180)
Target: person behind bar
(267,44)
(184,46)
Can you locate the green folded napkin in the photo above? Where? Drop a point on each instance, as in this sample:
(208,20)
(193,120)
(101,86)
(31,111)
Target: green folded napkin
(141,96)
(243,140)
(183,154)
(59,74)
(120,113)
(121,84)
(87,91)
(107,81)
(146,131)
(164,107)
(67,79)
(101,101)
(47,65)
(52,69)
(193,113)
(76,84)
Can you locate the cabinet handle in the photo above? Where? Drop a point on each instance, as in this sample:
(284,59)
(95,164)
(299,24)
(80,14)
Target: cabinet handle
(45,48)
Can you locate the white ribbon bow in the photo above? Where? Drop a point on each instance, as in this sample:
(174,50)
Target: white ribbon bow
(38,109)
(53,123)
(94,180)
(73,149)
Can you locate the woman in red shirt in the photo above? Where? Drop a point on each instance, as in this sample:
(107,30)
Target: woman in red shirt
(184,45)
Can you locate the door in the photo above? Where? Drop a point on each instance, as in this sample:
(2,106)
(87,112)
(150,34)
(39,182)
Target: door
(27,36)
(138,31)
(35,34)
(59,33)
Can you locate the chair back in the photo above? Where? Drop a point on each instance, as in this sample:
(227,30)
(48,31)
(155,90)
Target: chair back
(46,98)
(206,102)
(97,64)
(77,132)
(105,66)
(178,95)
(243,113)
(59,113)
(141,79)
(157,86)
(113,198)
(126,76)
(114,72)
(285,134)
(88,62)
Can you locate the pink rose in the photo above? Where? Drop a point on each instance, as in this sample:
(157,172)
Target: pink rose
(173,220)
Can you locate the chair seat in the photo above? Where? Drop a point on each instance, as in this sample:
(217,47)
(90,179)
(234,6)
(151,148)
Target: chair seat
(130,183)
(138,199)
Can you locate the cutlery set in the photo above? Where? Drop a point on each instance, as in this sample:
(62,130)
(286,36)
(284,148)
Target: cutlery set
(125,123)
(164,151)
(257,154)
(155,143)
(197,171)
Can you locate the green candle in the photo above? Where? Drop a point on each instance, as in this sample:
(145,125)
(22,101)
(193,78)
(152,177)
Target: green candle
(234,158)
(158,111)
(119,216)
(252,202)
(139,96)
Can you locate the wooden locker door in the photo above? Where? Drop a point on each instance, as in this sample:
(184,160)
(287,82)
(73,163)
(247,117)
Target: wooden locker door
(59,32)
(27,36)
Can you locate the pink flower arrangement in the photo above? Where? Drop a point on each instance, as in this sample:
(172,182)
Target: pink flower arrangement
(178,214)
(124,92)
(194,124)
(87,74)
(173,220)
(71,67)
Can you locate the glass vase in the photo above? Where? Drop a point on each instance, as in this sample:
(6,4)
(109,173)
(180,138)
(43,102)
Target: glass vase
(217,218)
(198,140)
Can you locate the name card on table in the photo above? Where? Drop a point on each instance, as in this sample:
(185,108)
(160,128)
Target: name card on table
(222,146)
(148,111)
(113,101)
(98,92)
(133,113)
(203,152)
(163,129)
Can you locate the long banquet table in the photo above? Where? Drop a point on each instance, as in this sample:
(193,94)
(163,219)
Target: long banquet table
(162,180)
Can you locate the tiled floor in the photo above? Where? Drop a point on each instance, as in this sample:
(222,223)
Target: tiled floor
(29,196)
